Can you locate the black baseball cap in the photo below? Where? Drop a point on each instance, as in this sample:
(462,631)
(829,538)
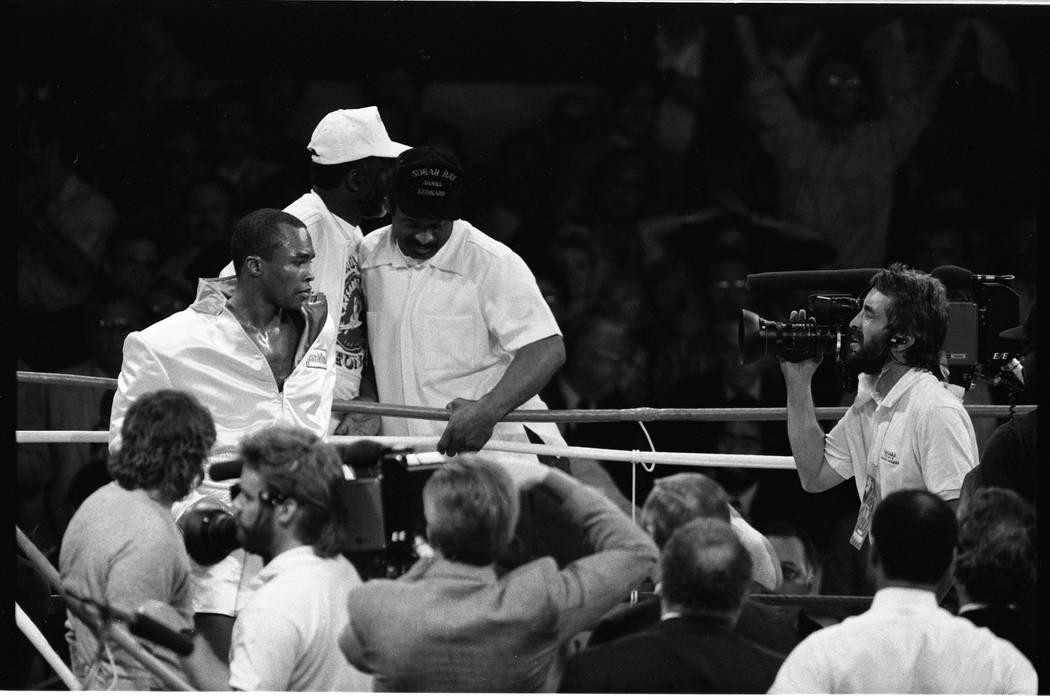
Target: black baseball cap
(428,184)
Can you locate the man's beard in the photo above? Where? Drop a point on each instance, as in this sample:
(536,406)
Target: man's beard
(871,357)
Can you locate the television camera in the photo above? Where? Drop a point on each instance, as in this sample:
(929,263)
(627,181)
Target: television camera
(383,498)
(980,307)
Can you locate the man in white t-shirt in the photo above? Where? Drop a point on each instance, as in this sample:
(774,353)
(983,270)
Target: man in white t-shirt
(350,160)
(906,429)
(455,318)
(289,510)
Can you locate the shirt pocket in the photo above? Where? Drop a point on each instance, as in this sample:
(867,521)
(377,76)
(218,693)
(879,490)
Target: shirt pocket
(448,342)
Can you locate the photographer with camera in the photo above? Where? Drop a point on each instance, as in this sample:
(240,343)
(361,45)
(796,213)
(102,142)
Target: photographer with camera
(454,623)
(288,508)
(906,428)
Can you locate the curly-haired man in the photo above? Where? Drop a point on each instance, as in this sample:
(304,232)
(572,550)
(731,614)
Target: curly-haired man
(906,428)
(122,547)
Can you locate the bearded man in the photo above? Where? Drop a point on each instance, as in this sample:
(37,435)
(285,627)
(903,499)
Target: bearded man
(906,429)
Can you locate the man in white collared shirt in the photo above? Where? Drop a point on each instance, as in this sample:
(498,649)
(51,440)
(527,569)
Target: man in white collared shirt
(289,510)
(455,318)
(906,428)
(906,644)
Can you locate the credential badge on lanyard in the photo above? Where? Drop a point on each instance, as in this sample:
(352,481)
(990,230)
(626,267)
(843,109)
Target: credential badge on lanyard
(867,506)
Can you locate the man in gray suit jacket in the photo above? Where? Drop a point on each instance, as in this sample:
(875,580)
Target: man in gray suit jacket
(453,624)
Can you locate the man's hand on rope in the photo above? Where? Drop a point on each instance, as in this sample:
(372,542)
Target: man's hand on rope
(469,427)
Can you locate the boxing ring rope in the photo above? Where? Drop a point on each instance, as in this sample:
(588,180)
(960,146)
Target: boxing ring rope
(551,416)
(114,631)
(39,642)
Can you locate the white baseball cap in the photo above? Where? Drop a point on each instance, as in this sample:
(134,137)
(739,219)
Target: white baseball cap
(347,135)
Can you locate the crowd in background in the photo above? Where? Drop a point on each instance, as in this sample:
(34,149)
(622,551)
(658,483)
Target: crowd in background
(641,202)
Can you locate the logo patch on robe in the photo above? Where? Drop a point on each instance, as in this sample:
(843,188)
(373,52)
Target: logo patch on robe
(317,359)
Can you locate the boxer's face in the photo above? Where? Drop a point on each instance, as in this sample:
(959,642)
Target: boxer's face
(288,274)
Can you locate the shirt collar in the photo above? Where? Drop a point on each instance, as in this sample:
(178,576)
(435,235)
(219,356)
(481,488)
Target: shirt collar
(212,294)
(866,388)
(288,559)
(896,596)
(449,258)
(443,568)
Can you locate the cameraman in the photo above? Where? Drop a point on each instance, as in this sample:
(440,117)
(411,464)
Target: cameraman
(906,429)
(288,510)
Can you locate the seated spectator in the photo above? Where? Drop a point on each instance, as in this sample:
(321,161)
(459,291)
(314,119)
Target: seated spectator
(799,560)
(210,210)
(130,264)
(450,624)
(599,352)
(122,548)
(62,225)
(46,471)
(802,569)
(675,501)
(289,510)
(108,319)
(905,643)
(995,567)
(705,572)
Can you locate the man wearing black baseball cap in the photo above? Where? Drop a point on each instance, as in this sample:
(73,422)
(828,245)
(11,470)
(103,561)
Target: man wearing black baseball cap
(455,318)
(1009,459)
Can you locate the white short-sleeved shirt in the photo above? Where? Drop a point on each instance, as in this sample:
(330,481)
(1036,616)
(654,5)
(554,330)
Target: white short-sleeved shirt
(449,326)
(337,276)
(905,644)
(918,436)
(287,636)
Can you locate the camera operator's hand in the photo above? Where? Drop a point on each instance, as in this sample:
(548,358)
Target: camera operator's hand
(799,367)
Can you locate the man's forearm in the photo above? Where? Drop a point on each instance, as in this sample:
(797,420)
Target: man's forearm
(530,370)
(605,525)
(205,670)
(807,439)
